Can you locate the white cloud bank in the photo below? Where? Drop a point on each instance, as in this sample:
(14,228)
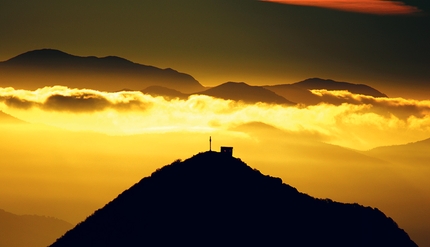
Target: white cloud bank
(363,123)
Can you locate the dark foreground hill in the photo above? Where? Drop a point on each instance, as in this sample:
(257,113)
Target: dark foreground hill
(213,199)
(29,230)
(49,67)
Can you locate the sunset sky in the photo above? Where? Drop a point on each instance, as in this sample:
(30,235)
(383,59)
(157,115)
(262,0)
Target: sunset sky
(68,151)
(259,42)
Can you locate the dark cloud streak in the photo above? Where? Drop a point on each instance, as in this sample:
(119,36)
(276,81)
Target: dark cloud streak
(75,103)
(16,102)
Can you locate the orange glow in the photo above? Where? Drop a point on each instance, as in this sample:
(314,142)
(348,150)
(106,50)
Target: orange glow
(380,7)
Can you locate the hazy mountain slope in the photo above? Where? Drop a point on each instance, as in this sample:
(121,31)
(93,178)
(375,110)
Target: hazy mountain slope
(30,230)
(317,83)
(8,119)
(165,92)
(295,93)
(214,199)
(413,161)
(241,91)
(47,67)
(300,92)
(416,153)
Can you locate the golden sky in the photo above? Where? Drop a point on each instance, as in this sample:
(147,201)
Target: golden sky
(76,148)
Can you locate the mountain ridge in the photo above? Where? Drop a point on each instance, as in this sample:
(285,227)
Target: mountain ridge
(30,230)
(45,67)
(300,92)
(9,119)
(318,83)
(414,153)
(240,91)
(164,92)
(212,198)
(295,93)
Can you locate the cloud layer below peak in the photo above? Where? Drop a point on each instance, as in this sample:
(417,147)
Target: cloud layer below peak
(361,122)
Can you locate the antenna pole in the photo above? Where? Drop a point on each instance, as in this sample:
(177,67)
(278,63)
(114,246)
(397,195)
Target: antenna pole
(210,143)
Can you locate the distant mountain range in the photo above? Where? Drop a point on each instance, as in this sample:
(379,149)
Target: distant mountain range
(288,94)
(299,92)
(240,91)
(48,67)
(29,230)
(317,83)
(237,91)
(295,93)
(165,92)
(416,153)
(8,119)
(217,200)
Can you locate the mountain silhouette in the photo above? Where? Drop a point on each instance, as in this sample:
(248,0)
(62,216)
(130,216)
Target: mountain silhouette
(415,153)
(29,230)
(295,93)
(317,83)
(8,119)
(300,92)
(213,199)
(46,67)
(164,92)
(241,91)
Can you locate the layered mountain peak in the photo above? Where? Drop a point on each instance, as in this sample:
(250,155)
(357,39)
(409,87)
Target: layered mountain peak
(241,91)
(49,67)
(215,199)
(29,230)
(318,83)
(36,56)
(52,59)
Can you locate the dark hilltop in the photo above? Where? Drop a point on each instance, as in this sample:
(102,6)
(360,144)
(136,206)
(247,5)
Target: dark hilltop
(214,199)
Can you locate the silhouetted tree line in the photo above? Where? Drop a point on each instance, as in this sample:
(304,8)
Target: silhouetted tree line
(216,200)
